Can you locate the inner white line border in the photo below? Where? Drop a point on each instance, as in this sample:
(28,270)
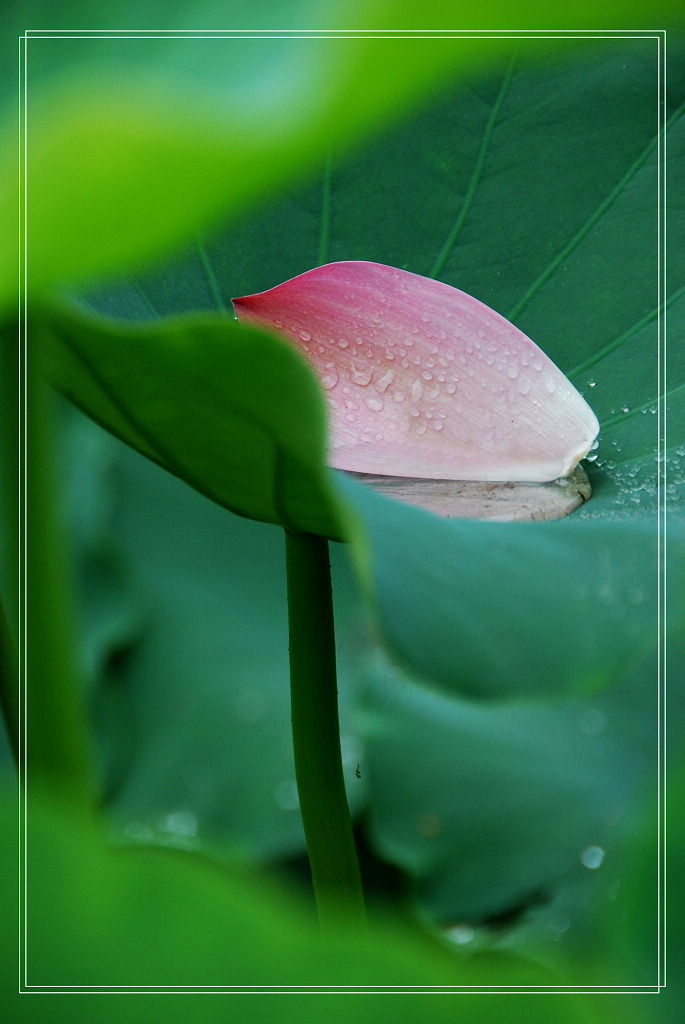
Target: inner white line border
(449,34)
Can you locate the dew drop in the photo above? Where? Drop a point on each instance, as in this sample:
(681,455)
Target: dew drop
(460,933)
(427,375)
(416,391)
(374,402)
(438,425)
(592,857)
(426,318)
(398,394)
(361,375)
(385,381)
(329,379)
(181,822)
(592,383)
(305,335)
(625,408)
(550,385)
(343,343)
(422,428)
(512,371)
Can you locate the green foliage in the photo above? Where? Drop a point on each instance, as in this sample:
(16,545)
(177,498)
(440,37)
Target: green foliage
(547,211)
(235,413)
(104,918)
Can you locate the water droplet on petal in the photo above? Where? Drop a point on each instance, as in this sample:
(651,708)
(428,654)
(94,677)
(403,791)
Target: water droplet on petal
(361,375)
(375,403)
(329,379)
(385,381)
(305,335)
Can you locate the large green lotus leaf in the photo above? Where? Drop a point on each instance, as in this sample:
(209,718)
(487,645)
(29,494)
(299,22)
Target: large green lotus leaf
(490,609)
(198,719)
(522,814)
(235,413)
(564,244)
(101,917)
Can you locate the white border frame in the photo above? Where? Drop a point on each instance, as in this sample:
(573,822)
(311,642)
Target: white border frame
(660,36)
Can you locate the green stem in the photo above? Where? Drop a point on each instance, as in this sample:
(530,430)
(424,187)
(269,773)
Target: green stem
(316,735)
(57,752)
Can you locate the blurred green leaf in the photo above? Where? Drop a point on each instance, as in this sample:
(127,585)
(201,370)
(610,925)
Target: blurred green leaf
(114,174)
(119,177)
(234,412)
(99,917)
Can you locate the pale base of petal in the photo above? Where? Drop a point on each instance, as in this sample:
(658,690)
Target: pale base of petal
(468,499)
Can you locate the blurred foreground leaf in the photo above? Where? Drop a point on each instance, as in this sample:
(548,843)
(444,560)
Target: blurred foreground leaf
(105,918)
(234,412)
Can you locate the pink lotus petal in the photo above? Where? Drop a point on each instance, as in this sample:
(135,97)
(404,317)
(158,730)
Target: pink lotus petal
(425,381)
